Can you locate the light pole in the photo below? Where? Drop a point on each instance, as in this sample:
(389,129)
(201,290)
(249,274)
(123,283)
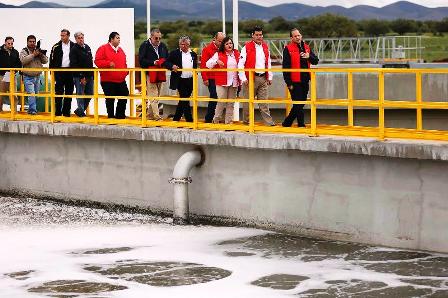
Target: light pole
(148,18)
(223,8)
(236,113)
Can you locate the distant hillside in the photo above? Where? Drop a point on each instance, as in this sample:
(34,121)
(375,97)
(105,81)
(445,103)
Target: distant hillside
(211,9)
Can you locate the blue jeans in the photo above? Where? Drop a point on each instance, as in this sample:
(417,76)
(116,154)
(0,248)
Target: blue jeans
(32,85)
(86,89)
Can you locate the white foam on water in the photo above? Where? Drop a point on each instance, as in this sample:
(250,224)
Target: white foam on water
(48,251)
(54,252)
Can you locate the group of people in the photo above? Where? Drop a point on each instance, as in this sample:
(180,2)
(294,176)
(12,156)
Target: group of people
(64,56)
(220,53)
(153,54)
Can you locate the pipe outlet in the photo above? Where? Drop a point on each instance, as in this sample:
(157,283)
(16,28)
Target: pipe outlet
(181,178)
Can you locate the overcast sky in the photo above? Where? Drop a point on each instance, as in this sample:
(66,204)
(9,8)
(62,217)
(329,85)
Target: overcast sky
(346,3)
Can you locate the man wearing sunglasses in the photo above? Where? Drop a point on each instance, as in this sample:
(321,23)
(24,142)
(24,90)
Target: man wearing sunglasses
(152,54)
(9,58)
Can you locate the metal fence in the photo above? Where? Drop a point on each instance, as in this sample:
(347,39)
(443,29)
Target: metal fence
(313,128)
(354,49)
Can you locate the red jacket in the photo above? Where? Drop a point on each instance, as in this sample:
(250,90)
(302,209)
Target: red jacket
(251,55)
(221,76)
(206,54)
(294,53)
(104,56)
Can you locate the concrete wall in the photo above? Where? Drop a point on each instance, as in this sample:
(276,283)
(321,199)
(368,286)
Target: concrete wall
(388,193)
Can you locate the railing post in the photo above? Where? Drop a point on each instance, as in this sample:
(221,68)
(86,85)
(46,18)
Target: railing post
(95,97)
(381,104)
(12,90)
(131,93)
(313,104)
(418,99)
(46,89)
(350,99)
(195,99)
(52,98)
(288,105)
(22,97)
(251,102)
(144,96)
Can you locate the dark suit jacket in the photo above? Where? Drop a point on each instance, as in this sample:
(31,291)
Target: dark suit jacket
(57,53)
(175,58)
(147,55)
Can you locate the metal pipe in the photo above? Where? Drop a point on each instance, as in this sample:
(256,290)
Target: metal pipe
(181,179)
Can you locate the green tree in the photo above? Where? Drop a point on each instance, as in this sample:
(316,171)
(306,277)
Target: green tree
(328,25)
(139,28)
(247,26)
(374,27)
(402,26)
(279,24)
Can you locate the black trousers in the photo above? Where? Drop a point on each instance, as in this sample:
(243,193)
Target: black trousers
(115,89)
(63,85)
(185,88)
(211,104)
(299,92)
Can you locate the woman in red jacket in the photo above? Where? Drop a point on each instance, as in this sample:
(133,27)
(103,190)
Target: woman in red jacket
(110,55)
(227,82)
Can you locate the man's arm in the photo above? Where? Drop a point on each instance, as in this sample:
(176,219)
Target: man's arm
(17,63)
(74,61)
(143,56)
(204,58)
(100,58)
(313,58)
(52,56)
(270,74)
(25,57)
(286,65)
(43,58)
(241,64)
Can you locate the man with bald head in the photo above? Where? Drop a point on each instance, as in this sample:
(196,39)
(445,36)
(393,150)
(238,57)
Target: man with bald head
(209,77)
(297,55)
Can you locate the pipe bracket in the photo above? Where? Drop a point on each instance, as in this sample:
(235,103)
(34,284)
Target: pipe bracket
(186,180)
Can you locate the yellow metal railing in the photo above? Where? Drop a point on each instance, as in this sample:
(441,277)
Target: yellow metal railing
(381,104)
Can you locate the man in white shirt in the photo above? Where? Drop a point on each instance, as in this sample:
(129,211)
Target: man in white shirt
(60,58)
(255,55)
(182,81)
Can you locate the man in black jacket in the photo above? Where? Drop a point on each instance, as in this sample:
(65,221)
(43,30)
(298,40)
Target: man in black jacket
(81,57)
(60,58)
(182,81)
(297,55)
(9,58)
(153,54)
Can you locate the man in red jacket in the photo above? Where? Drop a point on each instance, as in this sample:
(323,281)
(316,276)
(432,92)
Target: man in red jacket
(255,55)
(208,77)
(110,55)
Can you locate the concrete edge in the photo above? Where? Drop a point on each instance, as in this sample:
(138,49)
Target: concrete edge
(428,150)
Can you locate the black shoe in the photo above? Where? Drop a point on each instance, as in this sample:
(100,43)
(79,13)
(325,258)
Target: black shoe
(301,125)
(286,124)
(58,114)
(79,113)
(120,117)
(111,116)
(66,115)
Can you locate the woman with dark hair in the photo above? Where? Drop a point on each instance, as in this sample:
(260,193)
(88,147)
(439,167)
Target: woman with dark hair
(227,82)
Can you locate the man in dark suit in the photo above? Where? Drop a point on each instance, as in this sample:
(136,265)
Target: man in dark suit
(182,81)
(152,54)
(60,58)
